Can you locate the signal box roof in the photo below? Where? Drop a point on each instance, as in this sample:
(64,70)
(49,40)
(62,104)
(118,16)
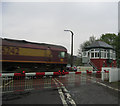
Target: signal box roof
(99,44)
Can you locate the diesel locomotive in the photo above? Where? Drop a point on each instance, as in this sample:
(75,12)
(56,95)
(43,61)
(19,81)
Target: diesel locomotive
(22,55)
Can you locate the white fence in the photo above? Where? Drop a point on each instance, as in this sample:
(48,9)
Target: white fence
(105,76)
(112,76)
(106,68)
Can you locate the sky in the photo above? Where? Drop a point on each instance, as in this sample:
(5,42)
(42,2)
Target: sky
(45,22)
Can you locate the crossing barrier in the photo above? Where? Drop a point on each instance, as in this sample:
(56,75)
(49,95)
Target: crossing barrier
(49,73)
(39,80)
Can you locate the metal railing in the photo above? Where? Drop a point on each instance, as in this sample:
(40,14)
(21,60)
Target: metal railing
(93,65)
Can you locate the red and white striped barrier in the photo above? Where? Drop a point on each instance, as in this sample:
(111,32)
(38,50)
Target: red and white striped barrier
(50,73)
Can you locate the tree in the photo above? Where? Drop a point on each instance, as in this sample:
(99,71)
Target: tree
(117,49)
(109,38)
(78,61)
(86,43)
(81,48)
(114,40)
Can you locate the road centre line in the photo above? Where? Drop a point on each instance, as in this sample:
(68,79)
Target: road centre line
(61,94)
(67,94)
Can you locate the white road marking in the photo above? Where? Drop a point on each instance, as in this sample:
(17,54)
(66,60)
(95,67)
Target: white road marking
(71,101)
(100,83)
(105,85)
(61,94)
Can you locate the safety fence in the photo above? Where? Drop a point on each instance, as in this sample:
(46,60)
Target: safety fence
(105,76)
(114,74)
(12,82)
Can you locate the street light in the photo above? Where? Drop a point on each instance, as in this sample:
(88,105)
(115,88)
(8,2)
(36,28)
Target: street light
(71,62)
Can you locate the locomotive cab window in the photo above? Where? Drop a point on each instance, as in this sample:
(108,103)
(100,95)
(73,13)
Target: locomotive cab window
(62,54)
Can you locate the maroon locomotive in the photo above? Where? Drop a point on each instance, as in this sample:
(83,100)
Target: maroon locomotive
(21,55)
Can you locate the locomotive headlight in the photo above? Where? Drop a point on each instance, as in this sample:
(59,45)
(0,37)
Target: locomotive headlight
(61,60)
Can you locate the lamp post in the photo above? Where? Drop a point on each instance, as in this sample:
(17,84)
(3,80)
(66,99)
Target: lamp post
(71,60)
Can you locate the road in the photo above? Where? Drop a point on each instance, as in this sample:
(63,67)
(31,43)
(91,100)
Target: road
(64,90)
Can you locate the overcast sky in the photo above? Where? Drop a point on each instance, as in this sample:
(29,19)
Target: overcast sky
(45,22)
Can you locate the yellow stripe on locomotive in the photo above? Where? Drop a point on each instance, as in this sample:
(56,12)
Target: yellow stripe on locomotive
(9,50)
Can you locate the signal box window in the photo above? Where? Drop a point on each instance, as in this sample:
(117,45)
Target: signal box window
(97,55)
(92,54)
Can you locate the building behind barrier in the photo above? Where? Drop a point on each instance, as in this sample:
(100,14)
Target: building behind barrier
(99,54)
